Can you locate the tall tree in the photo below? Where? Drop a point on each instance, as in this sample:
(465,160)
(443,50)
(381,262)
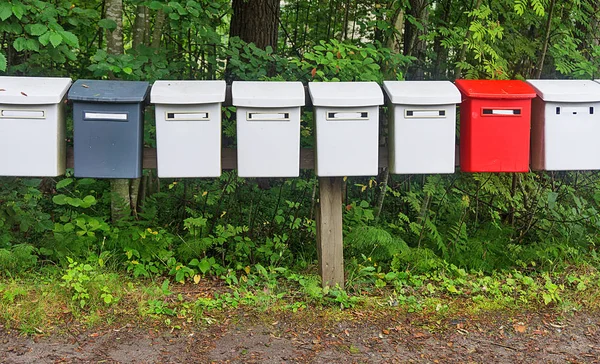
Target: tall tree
(255,21)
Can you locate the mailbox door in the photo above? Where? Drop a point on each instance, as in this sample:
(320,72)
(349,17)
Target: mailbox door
(32,140)
(571,136)
(188,140)
(347,141)
(108,140)
(268,142)
(423,139)
(495,135)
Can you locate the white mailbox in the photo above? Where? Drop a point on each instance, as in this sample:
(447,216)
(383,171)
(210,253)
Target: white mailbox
(565,125)
(188,127)
(268,127)
(422,126)
(32,126)
(347,120)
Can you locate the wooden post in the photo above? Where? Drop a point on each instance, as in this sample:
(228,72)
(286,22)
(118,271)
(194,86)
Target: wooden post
(329,232)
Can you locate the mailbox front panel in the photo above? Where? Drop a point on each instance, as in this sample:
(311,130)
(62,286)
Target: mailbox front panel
(188,140)
(347,141)
(268,142)
(108,140)
(565,135)
(422,139)
(32,140)
(495,135)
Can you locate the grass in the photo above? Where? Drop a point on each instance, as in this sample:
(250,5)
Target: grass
(40,304)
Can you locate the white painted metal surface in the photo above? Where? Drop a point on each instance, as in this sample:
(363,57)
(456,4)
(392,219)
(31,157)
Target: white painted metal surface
(32,126)
(188,127)
(565,125)
(268,128)
(422,126)
(347,122)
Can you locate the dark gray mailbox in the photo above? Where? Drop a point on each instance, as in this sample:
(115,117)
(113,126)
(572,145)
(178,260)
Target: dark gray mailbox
(108,119)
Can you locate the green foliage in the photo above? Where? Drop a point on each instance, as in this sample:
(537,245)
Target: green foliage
(342,61)
(87,285)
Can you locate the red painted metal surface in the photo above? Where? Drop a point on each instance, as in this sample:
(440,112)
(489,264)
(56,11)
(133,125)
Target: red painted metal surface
(495,119)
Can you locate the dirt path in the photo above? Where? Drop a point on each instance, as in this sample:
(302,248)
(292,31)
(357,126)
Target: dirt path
(290,338)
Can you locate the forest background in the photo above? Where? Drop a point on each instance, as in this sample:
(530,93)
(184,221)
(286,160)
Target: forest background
(259,234)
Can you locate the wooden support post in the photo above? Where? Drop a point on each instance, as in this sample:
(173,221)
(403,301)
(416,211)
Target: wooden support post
(329,232)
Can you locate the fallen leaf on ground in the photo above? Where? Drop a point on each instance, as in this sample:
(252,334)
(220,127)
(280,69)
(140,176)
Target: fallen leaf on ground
(520,327)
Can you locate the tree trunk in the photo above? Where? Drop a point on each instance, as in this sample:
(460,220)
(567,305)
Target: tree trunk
(120,205)
(114,38)
(159,24)
(255,22)
(139,26)
(413,46)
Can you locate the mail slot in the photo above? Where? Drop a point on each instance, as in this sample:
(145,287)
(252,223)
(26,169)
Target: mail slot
(32,126)
(495,120)
(104,116)
(108,121)
(422,126)
(337,115)
(186,116)
(347,127)
(263,116)
(268,127)
(188,127)
(22,114)
(565,125)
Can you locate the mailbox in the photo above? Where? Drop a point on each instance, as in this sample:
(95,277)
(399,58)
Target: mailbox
(565,125)
(268,127)
(188,127)
(32,126)
(422,126)
(495,118)
(347,127)
(108,118)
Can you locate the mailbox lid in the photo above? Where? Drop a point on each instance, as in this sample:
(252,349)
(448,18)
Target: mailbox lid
(422,92)
(567,90)
(495,89)
(267,94)
(347,94)
(188,92)
(33,90)
(109,91)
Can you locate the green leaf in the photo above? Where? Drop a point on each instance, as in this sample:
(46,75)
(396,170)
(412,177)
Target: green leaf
(44,39)
(155,5)
(18,10)
(69,38)
(37,29)
(204,266)
(88,201)
(108,24)
(60,199)
(64,183)
(127,70)
(75,202)
(20,44)
(5,11)
(56,39)
(2,62)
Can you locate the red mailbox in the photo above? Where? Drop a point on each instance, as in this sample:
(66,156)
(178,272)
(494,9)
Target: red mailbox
(495,119)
